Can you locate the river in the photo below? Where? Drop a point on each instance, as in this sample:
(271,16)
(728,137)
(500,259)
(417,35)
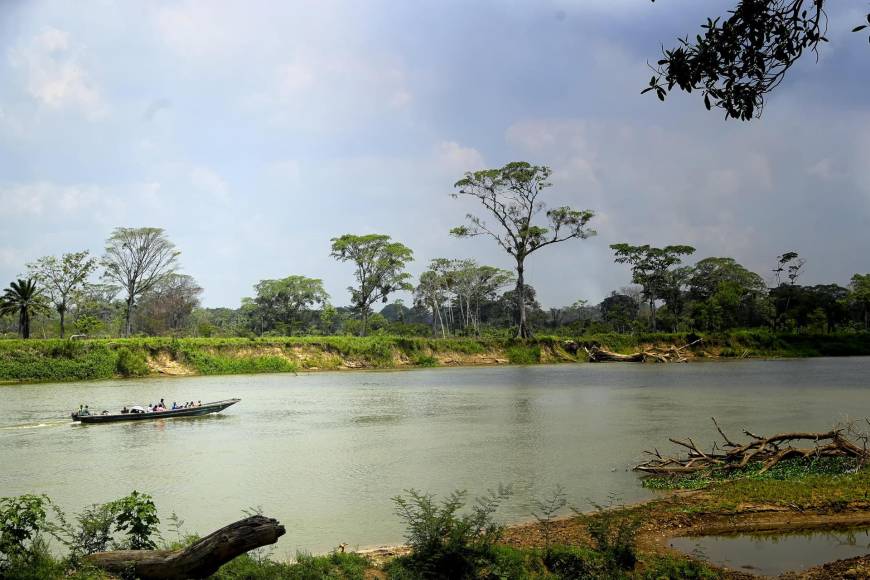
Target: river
(324,452)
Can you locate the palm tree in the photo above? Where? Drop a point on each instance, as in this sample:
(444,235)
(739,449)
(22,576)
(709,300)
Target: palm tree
(24,299)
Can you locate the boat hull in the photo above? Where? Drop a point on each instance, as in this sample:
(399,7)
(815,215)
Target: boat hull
(204,409)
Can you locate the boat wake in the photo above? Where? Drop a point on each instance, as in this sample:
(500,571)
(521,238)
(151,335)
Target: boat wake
(41,425)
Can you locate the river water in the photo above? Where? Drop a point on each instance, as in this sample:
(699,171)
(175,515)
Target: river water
(324,452)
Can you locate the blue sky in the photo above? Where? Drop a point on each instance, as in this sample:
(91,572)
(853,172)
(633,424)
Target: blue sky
(254,132)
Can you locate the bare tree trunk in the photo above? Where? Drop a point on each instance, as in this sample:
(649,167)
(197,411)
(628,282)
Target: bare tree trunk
(128,327)
(62,312)
(199,560)
(652,312)
(523,328)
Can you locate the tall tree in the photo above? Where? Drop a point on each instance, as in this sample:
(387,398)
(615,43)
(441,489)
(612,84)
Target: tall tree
(283,301)
(61,278)
(650,267)
(736,61)
(138,259)
(380,269)
(859,293)
(511,195)
(167,308)
(24,299)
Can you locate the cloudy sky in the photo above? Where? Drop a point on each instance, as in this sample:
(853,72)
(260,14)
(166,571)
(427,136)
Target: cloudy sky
(254,132)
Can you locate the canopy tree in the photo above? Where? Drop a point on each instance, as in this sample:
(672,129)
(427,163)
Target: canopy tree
(167,308)
(511,195)
(138,259)
(61,278)
(380,269)
(281,303)
(736,61)
(724,294)
(24,299)
(651,268)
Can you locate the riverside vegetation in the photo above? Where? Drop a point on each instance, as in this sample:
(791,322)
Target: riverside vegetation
(447,538)
(67,360)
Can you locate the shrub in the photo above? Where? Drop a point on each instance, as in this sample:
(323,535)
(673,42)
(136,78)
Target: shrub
(613,533)
(21,520)
(524,355)
(574,562)
(136,514)
(443,543)
(668,567)
(131,363)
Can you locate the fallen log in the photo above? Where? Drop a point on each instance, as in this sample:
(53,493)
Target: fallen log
(199,560)
(663,355)
(839,442)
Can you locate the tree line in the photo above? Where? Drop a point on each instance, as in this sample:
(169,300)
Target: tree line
(135,286)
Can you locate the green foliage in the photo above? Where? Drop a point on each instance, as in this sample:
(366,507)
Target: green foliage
(380,269)
(136,515)
(667,567)
(87,324)
(131,363)
(339,566)
(575,562)
(791,469)
(524,354)
(21,520)
(613,533)
(94,532)
(425,360)
(545,512)
(445,544)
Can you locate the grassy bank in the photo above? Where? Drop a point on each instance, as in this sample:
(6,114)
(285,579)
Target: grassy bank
(455,537)
(64,360)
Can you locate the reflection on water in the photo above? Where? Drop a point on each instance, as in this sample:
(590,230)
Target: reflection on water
(325,452)
(773,554)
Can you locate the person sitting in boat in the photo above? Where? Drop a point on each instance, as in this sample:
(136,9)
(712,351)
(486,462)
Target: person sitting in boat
(174,405)
(199,403)
(125,410)
(105,412)
(150,408)
(137,409)
(85,412)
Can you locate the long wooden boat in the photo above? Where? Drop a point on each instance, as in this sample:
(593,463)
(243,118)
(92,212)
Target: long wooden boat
(204,409)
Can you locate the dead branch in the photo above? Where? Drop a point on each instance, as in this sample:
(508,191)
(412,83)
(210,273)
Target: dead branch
(838,442)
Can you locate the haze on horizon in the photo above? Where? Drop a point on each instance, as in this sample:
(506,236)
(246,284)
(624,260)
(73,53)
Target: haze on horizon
(255,132)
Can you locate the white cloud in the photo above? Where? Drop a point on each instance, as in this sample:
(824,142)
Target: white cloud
(457,159)
(54,76)
(209,182)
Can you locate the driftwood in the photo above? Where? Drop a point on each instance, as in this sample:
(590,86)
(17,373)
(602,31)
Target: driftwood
(839,442)
(664,355)
(199,560)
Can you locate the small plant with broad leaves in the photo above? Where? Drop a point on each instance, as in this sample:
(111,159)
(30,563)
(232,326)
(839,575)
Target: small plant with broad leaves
(21,520)
(136,515)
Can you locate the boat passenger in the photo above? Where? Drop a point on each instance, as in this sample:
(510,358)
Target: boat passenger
(85,412)
(199,403)
(105,412)
(174,405)
(125,410)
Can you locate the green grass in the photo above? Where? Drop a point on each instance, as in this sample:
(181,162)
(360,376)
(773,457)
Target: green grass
(53,360)
(789,469)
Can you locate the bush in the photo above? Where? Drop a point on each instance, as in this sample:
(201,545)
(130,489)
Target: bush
(131,363)
(136,514)
(21,520)
(443,543)
(524,355)
(613,533)
(574,562)
(674,568)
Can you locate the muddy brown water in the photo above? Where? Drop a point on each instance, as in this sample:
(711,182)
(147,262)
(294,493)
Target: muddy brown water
(773,554)
(325,452)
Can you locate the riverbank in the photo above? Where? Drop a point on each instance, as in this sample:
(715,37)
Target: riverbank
(54,360)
